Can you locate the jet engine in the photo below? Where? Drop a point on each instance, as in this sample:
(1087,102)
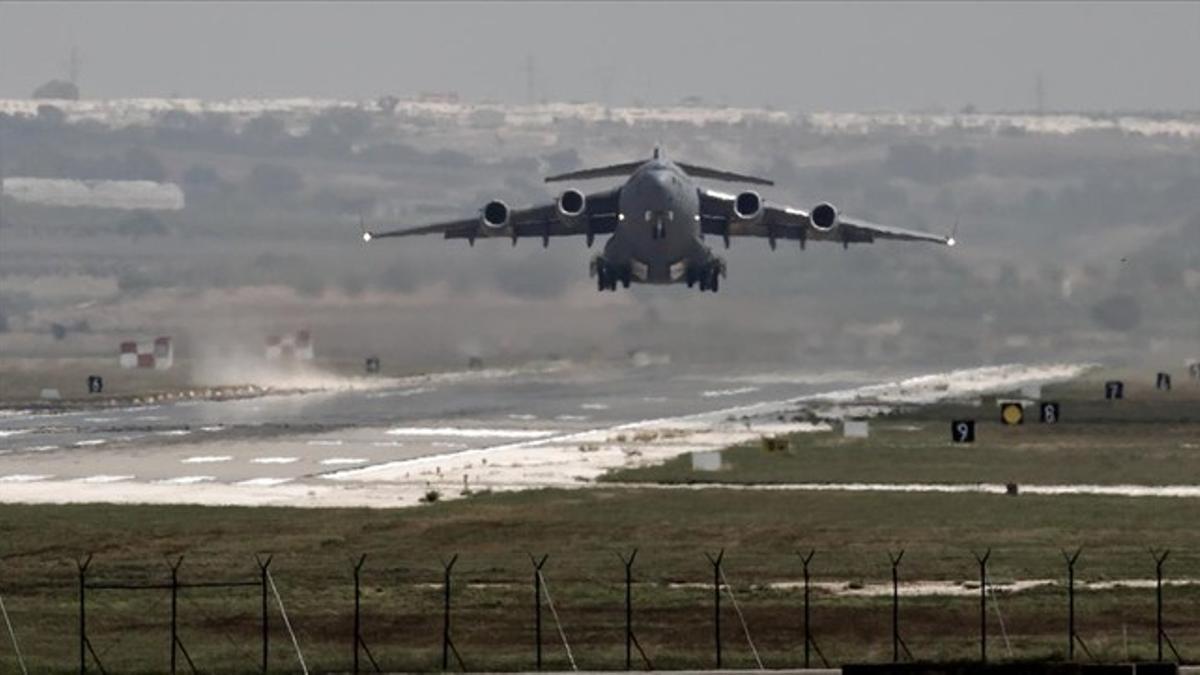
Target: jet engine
(572,206)
(494,215)
(824,217)
(748,206)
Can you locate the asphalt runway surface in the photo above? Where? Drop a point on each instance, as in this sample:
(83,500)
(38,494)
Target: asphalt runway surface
(304,438)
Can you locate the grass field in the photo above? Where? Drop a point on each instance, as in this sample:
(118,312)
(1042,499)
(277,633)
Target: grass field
(1139,440)
(1151,438)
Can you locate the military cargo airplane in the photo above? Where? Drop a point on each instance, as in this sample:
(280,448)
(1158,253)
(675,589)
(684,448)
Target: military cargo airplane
(658,221)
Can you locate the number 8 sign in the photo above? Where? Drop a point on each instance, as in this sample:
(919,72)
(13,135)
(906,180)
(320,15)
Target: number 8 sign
(1050,413)
(962,431)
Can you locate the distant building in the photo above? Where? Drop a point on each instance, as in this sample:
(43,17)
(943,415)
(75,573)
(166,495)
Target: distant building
(438,97)
(58,89)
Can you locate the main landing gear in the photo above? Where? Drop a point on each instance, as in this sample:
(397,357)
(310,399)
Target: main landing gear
(608,276)
(707,276)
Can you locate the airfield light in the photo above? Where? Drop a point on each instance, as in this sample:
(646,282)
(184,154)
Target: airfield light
(951,241)
(366,236)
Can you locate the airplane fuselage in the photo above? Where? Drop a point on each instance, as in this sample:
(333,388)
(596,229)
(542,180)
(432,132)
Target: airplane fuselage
(657,237)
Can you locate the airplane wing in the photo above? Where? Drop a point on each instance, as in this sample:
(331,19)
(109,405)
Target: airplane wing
(785,222)
(599,217)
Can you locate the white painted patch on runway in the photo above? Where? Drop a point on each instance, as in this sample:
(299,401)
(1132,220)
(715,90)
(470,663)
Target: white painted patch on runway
(571,418)
(401,393)
(720,393)
(40,448)
(263,482)
(324,442)
(174,432)
(103,479)
(207,459)
(187,480)
(274,460)
(594,406)
(468,432)
(90,442)
(25,477)
(387,444)
(525,417)
(215,427)
(448,444)
(100,420)
(5,433)
(343,461)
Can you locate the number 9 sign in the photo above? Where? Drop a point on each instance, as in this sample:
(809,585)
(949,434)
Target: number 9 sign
(962,431)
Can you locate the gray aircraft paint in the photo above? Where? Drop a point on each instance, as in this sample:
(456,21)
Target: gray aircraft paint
(659,224)
(658,219)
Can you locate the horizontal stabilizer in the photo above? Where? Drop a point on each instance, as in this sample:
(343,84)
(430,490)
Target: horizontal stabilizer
(717,174)
(628,168)
(600,172)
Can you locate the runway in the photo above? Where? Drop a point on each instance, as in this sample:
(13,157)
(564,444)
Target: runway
(387,442)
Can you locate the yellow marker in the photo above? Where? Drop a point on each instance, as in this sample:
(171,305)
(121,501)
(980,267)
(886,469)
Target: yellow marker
(1012,414)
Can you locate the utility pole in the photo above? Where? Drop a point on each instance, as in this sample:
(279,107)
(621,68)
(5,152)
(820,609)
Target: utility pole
(74,63)
(529,79)
(1039,93)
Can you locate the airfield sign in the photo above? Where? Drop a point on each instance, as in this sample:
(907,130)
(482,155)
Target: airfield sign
(1012,414)
(962,431)
(1114,390)
(1049,412)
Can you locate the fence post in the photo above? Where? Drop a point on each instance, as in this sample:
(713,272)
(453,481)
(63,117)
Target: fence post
(357,620)
(805,559)
(716,564)
(537,606)
(82,565)
(983,561)
(1070,559)
(447,568)
(1160,633)
(896,604)
(264,620)
(175,610)
(628,562)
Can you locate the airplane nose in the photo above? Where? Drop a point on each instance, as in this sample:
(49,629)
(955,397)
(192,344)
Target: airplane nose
(660,191)
(660,183)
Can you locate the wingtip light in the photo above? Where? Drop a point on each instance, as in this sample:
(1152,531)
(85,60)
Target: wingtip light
(366,237)
(951,241)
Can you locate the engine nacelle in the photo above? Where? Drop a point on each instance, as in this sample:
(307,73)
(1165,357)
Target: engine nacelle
(571,206)
(494,215)
(824,217)
(748,207)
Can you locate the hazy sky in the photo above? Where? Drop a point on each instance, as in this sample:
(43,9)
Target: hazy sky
(806,56)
